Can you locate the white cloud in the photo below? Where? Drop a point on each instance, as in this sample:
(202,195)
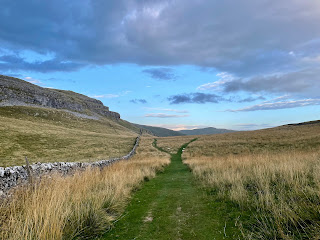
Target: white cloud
(112,95)
(106,96)
(163,115)
(279,105)
(33,80)
(167,110)
(217,85)
(251,126)
(178,127)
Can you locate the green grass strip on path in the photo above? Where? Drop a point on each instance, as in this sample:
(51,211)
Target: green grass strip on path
(174,206)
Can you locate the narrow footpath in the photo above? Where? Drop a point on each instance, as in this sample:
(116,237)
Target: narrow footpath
(173,206)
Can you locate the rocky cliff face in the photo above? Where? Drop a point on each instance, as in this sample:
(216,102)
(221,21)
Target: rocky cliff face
(14,91)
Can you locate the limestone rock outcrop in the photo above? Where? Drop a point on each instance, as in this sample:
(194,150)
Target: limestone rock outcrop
(14,91)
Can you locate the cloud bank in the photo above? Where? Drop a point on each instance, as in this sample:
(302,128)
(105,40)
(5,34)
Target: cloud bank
(240,37)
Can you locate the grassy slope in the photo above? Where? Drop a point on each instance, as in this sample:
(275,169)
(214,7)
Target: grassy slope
(173,206)
(49,135)
(205,131)
(303,137)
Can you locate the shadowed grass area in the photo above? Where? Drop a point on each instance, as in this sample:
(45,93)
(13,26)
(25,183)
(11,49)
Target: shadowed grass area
(173,206)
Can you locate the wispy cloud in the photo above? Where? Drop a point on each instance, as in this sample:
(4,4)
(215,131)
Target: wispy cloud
(136,101)
(15,63)
(251,99)
(279,105)
(178,127)
(111,95)
(167,110)
(106,96)
(163,115)
(251,126)
(217,85)
(33,80)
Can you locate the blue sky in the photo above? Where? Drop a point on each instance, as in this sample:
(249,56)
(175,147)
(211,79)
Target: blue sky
(243,66)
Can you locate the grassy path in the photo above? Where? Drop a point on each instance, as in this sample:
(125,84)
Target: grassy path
(172,206)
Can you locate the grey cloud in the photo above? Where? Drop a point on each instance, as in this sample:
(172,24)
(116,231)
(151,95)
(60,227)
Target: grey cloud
(241,37)
(136,101)
(279,105)
(14,63)
(291,82)
(195,98)
(161,73)
(250,99)
(304,82)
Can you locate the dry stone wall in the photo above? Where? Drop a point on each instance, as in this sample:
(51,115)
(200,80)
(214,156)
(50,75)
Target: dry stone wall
(13,176)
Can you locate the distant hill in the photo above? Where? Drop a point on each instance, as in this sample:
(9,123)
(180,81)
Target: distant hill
(160,132)
(205,131)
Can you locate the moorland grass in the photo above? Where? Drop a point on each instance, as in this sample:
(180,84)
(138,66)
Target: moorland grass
(81,206)
(49,135)
(273,175)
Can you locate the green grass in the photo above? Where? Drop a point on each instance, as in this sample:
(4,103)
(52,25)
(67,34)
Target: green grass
(174,206)
(49,135)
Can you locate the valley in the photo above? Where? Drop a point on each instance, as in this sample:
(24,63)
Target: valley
(261,184)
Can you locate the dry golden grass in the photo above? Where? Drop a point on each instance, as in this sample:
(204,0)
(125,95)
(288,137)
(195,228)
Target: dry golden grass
(81,205)
(49,135)
(272,174)
(282,190)
(285,138)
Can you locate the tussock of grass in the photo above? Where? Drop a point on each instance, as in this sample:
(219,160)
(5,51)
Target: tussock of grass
(79,206)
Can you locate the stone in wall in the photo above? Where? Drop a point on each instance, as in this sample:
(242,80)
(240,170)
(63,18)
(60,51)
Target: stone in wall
(17,175)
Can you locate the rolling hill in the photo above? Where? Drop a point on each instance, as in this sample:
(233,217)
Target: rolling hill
(159,132)
(205,131)
(49,125)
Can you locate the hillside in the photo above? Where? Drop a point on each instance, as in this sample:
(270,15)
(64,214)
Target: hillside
(49,135)
(17,92)
(160,132)
(298,137)
(205,131)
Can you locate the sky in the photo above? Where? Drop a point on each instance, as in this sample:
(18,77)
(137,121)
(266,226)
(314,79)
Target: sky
(178,64)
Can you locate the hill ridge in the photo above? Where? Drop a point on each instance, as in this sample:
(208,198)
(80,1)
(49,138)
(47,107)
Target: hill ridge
(17,92)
